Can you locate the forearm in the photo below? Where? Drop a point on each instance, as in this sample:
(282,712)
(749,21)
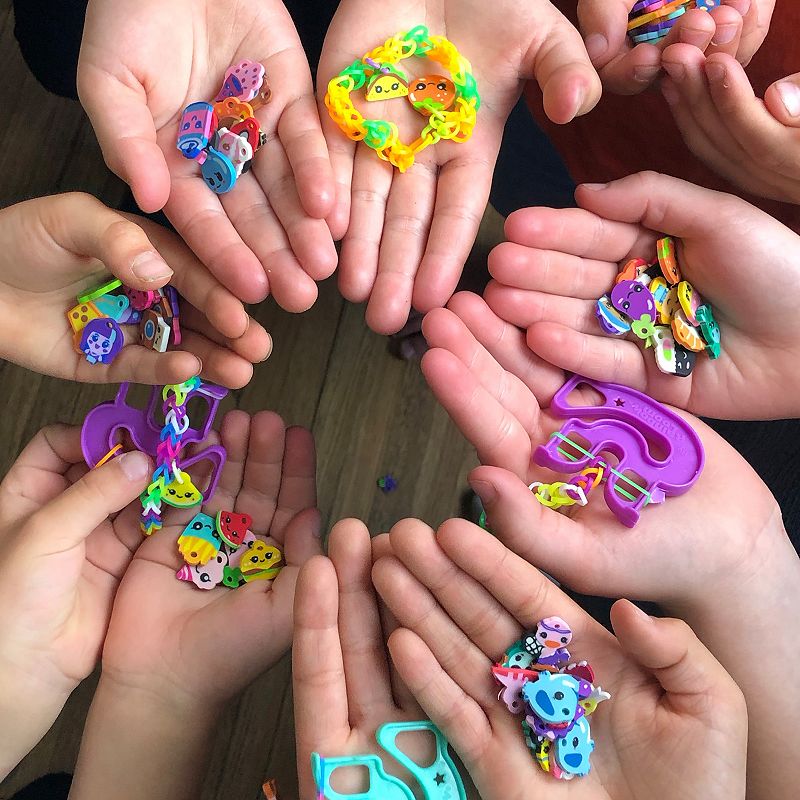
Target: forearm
(751,626)
(138,745)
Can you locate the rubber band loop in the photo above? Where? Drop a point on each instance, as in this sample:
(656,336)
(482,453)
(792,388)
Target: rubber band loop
(383,137)
(108,456)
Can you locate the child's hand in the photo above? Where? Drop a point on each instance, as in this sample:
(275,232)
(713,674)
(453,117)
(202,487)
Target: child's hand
(736,28)
(54,248)
(752,142)
(62,554)
(268,235)
(343,686)
(676,724)
(177,654)
(408,235)
(558,262)
(717,556)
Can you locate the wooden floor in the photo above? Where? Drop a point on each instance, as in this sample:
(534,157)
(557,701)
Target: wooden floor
(370,413)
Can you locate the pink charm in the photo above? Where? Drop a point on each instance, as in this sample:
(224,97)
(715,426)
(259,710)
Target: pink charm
(141,300)
(512,680)
(235,558)
(206,576)
(582,671)
(243,80)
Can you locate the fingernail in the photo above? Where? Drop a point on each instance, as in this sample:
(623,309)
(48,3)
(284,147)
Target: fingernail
(790,97)
(150,267)
(134,465)
(485,491)
(670,93)
(725,34)
(675,70)
(269,351)
(744,7)
(595,187)
(715,71)
(646,74)
(596,45)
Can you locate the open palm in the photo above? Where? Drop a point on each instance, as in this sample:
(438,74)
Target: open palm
(408,235)
(168,636)
(558,262)
(268,235)
(674,727)
(498,393)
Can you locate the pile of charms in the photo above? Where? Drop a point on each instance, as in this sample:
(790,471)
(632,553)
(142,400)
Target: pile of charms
(223,136)
(223,550)
(651,20)
(100,312)
(651,300)
(555,696)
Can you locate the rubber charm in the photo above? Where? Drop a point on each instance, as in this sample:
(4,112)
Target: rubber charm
(690,301)
(670,305)
(686,334)
(100,341)
(198,124)
(205,576)
(218,172)
(432,93)
(199,542)
(113,305)
(80,316)
(572,751)
(233,527)
(261,556)
(386,86)
(709,330)
(633,300)
(99,291)
(242,81)
(632,270)
(665,248)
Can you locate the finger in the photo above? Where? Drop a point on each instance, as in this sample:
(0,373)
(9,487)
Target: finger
(443,329)
(728,33)
(633,69)
(318,678)
(141,365)
(604,25)
(484,621)
(523,308)
(309,237)
(765,140)
(612,360)
(234,435)
(342,153)
(303,538)
(660,203)
(368,689)
(572,230)
(127,137)
(525,592)
(300,132)
(462,191)
(457,715)
(551,271)
(218,364)
(416,609)
(358,264)
(495,433)
(409,210)
(254,345)
(560,546)
(757,15)
(82,225)
(299,480)
(67,520)
(506,344)
(200,219)
(782,100)
(258,224)
(669,650)
(569,83)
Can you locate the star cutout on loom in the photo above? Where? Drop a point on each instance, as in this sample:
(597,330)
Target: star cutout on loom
(619,402)
(439,779)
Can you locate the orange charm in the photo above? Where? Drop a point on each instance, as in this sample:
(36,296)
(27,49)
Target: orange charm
(432,92)
(686,334)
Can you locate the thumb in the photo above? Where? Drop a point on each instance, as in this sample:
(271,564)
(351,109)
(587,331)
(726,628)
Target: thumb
(126,132)
(68,520)
(604,24)
(669,649)
(81,224)
(660,203)
(782,100)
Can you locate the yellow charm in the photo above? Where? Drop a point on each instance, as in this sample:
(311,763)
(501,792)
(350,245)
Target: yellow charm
(182,493)
(261,556)
(386,87)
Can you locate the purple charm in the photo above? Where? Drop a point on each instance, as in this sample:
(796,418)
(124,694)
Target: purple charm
(630,426)
(633,299)
(101,341)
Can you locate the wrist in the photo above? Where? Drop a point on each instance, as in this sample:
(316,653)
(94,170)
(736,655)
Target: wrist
(140,742)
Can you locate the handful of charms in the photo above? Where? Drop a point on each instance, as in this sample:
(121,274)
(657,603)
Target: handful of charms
(555,696)
(652,301)
(100,312)
(223,136)
(223,550)
(651,20)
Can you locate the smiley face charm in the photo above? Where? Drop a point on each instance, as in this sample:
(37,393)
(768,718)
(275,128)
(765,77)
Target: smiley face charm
(686,334)
(666,258)
(218,172)
(432,93)
(690,300)
(670,305)
(684,361)
(709,330)
(664,347)
(633,300)
(386,86)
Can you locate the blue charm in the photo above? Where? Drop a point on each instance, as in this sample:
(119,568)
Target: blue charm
(114,306)
(574,750)
(218,172)
(553,697)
